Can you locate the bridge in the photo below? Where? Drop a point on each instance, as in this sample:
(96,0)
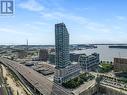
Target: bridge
(40,83)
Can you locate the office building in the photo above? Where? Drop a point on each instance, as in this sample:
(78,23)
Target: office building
(43,54)
(120,64)
(75,56)
(89,62)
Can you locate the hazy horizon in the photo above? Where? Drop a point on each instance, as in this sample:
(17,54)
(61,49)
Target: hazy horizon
(25,43)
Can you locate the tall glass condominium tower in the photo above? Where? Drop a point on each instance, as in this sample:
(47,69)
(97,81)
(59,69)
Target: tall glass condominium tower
(62,46)
(65,70)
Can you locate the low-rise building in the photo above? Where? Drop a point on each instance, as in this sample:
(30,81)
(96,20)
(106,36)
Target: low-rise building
(43,54)
(52,58)
(73,57)
(120,64)
(21,54)
(67,73)
(89,62)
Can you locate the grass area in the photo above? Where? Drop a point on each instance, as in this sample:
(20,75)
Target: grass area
(105,67)
(73,83)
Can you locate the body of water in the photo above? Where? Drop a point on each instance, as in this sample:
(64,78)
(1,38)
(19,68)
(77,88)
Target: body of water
(106,53)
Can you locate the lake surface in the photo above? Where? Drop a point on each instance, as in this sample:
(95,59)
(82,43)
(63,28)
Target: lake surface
(106,53)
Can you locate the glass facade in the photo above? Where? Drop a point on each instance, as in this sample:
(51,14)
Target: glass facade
(88,62)
(62,58)
(64,69)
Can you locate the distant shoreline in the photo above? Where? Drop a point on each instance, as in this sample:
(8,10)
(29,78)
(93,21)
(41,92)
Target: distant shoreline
(121,47)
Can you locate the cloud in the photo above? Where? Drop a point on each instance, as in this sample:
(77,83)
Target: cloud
(7,30)
(98,28)
(14,31)
(58,15)
(32,5)
(77,24)
(84,9)
(121,17)
(85,23)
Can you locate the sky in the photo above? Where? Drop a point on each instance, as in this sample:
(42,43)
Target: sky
(87,21)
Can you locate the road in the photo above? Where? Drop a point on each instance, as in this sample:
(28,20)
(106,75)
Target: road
(39,81)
